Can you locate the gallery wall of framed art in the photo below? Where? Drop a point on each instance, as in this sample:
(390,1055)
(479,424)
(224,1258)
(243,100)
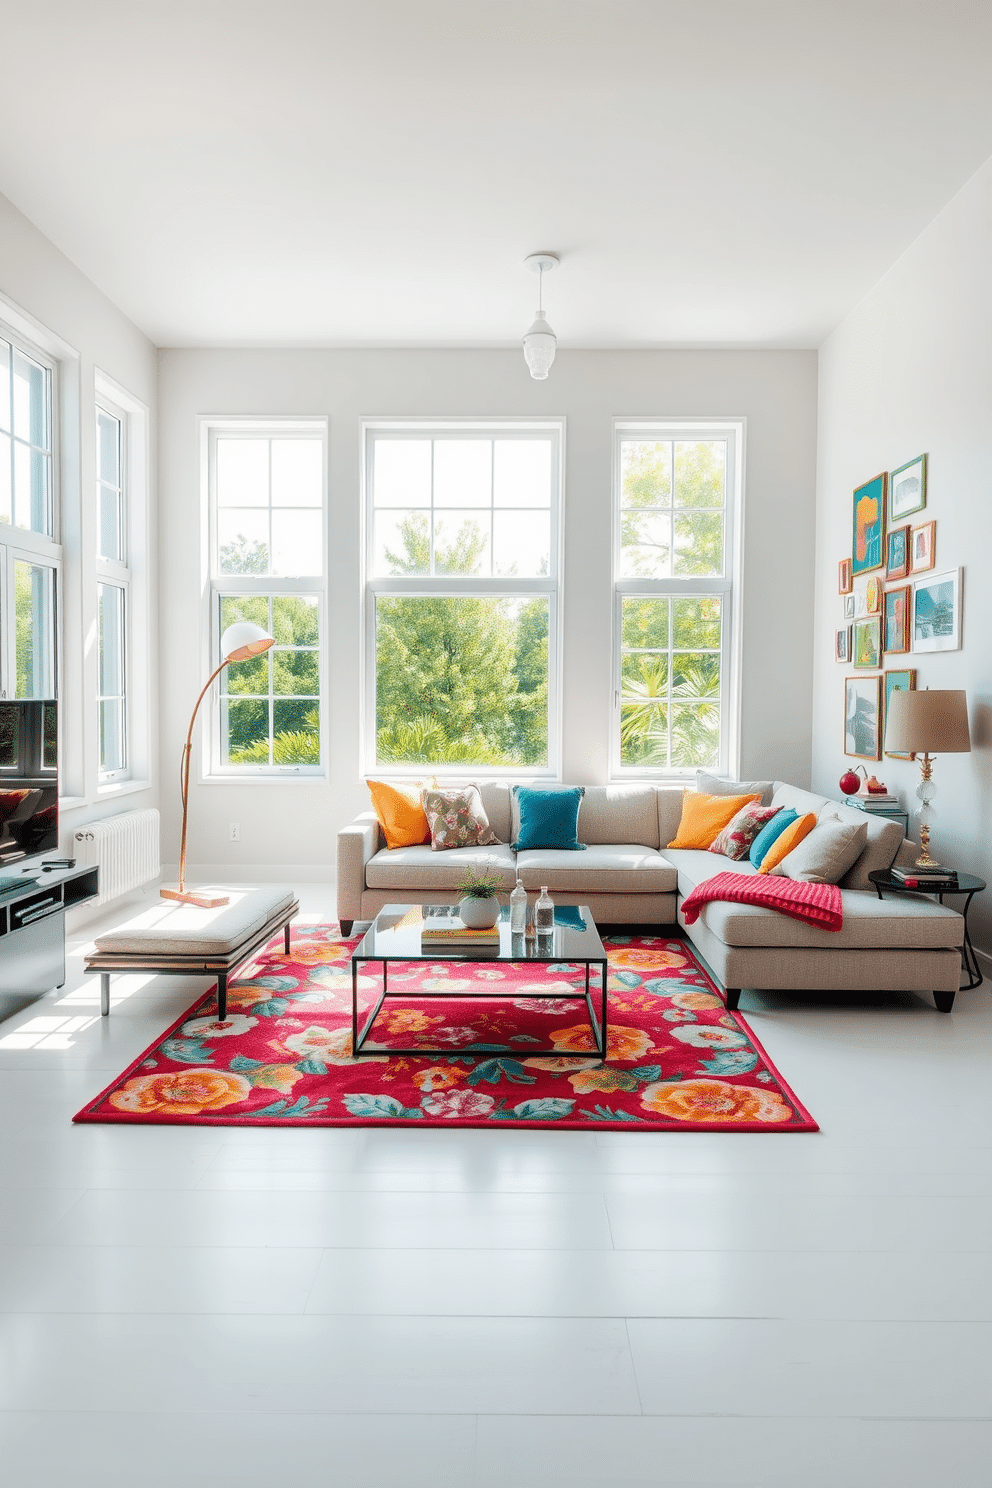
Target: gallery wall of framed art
(891,602)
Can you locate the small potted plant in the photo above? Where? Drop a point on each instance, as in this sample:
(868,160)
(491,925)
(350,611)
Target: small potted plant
(479,907)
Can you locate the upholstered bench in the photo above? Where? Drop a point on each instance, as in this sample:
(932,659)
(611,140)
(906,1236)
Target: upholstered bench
(185,940)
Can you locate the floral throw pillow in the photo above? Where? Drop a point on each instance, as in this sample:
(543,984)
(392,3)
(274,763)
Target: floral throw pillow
(736,838)
(457,818)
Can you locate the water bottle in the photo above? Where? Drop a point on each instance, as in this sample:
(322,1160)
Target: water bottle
(544,913)
(518,910)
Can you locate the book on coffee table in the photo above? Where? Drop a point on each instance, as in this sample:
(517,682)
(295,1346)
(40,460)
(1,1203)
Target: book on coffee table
(451,929)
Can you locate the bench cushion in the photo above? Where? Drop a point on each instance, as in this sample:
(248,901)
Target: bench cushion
(171,929)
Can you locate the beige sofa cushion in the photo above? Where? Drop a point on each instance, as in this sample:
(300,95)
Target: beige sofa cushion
(899,922)
(619,813)
(421,868)
(622,868)
(496,800)
(694,864)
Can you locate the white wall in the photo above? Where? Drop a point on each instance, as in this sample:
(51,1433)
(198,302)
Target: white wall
(910,370)
(293,825)
(57,300)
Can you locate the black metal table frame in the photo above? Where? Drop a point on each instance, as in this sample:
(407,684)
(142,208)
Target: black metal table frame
(969,961)
(358,1040)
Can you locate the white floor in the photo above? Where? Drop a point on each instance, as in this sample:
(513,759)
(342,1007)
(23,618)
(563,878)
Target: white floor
(502,1309)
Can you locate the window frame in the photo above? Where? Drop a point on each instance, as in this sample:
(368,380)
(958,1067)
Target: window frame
(428,586)
(115,572)
(213,770)
(729,586)
(23,544)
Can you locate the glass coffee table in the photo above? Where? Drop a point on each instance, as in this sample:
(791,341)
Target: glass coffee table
(395,935)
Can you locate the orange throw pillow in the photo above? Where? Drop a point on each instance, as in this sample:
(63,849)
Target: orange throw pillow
(704,816)
(400,812)
(783,844)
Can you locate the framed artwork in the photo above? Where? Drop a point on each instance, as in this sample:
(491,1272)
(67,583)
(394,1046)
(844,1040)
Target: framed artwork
(862,717)
(898,682)
(844,578)
(937,612)
(923,547)
(868,549)
(908,488)
(868,642)
(897,602)
(897,553)
(868,595)
(849,606)
(842,647)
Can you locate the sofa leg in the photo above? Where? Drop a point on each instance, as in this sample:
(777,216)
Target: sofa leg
(944,1001)
(733,998)
(346,926)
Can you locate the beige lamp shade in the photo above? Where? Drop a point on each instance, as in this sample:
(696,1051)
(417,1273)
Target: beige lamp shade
(928,723)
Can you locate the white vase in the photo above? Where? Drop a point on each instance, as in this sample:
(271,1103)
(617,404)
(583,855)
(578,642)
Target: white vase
(478,914)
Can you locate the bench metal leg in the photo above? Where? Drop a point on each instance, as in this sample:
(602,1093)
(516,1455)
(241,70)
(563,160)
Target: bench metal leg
(105,994)
(222,997)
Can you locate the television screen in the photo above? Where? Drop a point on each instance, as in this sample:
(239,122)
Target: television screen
(29,778)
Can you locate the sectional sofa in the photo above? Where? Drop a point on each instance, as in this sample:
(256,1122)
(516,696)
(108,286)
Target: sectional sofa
(628,875)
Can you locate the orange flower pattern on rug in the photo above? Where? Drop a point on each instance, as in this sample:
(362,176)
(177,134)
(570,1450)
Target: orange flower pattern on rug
(487,1049)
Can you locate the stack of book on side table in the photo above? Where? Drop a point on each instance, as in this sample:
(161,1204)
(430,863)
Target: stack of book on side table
(881,802)
(442,930)
(930,880)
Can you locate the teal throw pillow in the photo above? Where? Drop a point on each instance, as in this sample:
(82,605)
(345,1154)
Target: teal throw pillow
(548,818)
(768,834)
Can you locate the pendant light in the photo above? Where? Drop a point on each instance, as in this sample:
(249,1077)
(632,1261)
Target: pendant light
(540,341)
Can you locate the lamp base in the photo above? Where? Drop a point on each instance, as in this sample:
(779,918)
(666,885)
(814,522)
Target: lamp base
(925,860)
(205,900)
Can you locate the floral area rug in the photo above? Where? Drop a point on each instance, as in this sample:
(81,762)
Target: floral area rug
(676,1059)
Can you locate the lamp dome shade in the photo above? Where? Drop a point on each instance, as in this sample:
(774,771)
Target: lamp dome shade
(540,344)
(931,722)
(243,640)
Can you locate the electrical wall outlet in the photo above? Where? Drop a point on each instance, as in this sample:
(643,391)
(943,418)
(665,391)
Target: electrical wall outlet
(235,830)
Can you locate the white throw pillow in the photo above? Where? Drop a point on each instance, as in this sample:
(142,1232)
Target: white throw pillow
(826,854)
(713,785)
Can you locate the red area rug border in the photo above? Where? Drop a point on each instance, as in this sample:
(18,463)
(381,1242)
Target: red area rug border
(88,1113)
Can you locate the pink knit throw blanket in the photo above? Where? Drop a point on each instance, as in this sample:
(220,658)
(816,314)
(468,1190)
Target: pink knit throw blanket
(817,904)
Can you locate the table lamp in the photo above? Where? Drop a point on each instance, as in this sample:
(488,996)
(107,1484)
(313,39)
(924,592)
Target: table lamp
(240,642)
(929,722)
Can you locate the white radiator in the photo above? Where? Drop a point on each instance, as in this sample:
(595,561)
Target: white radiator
(124,847)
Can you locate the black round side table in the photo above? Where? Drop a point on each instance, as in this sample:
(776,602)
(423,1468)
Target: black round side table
(968,885)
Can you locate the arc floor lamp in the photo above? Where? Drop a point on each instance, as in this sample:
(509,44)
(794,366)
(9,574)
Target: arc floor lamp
(240,642)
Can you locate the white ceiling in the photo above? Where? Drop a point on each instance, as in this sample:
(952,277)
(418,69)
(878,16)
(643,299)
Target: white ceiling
(373,173)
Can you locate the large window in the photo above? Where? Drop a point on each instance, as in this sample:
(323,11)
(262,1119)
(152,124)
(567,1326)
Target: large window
(30,555)
(676,506)
(113,592)
(268,567)
(462,596)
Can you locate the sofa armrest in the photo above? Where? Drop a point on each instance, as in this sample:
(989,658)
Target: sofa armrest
(357,843)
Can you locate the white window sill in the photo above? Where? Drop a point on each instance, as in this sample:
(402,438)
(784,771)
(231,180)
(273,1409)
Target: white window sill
(122,788)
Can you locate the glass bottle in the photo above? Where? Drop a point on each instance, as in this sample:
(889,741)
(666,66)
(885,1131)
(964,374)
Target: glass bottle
(544,913)
(518,910)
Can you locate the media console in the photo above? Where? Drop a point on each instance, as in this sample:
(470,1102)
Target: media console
(32,926)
